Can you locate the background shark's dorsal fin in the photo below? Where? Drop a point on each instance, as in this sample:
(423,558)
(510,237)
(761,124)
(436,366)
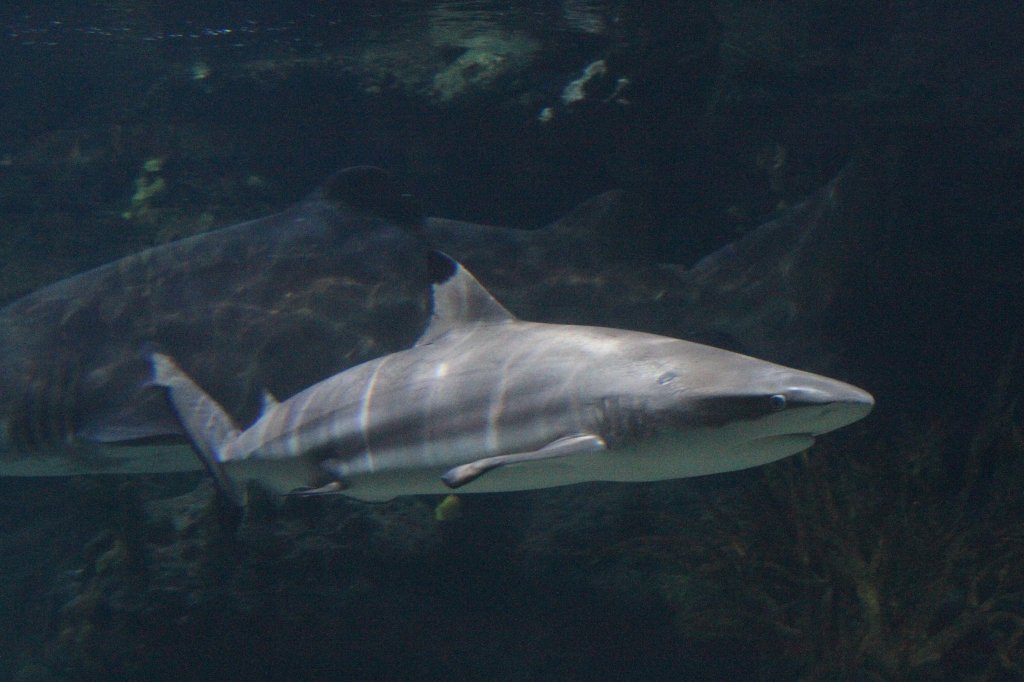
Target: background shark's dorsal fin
(459,299)
(372,191)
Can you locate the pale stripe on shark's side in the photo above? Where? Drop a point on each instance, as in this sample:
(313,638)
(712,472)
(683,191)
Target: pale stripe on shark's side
(497,405)
(365,414)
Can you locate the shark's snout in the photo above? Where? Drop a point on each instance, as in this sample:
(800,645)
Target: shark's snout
(820,390)
(822,405)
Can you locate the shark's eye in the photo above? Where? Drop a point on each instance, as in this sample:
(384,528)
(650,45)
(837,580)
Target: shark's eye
(777,401)
(667,377)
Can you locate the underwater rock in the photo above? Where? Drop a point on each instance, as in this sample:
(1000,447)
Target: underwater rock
(457,55)
(291,561)
(484,62)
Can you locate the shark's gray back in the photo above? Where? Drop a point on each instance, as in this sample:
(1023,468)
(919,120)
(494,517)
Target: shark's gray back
(350,283)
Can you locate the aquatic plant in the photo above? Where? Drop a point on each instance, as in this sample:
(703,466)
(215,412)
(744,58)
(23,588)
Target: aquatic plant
(890,563)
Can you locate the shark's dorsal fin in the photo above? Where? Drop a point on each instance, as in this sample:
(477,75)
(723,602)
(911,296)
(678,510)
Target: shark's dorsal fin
(372,191)
(459,299)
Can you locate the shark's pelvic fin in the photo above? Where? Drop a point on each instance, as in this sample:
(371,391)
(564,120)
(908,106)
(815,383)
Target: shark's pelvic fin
(563,447)
(207,424)
(329,488)
(459,300)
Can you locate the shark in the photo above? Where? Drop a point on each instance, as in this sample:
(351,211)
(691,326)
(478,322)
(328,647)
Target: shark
(342,275)
(486,402)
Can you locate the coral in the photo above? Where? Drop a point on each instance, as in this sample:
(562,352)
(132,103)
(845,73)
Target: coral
(448,509)
(148,185)
(878,564)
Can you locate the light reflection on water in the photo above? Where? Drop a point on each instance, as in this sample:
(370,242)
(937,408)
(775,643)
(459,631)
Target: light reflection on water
(324,26)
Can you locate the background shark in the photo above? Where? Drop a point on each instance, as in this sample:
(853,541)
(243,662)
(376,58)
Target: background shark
(266,304)
(279,303)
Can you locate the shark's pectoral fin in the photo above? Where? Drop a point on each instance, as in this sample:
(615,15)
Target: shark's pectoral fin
(563,447)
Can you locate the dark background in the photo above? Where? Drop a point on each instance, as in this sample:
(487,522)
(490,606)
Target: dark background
(728,112)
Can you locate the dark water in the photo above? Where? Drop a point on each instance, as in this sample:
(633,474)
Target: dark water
(891,551)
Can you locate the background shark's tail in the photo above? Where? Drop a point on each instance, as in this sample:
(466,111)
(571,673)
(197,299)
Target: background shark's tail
(207,424)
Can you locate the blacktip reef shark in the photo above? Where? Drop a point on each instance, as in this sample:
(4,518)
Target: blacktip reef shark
(485,402)
(282,302)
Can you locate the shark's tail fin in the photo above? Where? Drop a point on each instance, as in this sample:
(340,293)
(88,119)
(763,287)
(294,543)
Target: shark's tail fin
(207,424)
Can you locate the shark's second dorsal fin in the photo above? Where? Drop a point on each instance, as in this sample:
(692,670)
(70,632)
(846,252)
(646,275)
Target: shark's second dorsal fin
(459,299)
(269,402)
